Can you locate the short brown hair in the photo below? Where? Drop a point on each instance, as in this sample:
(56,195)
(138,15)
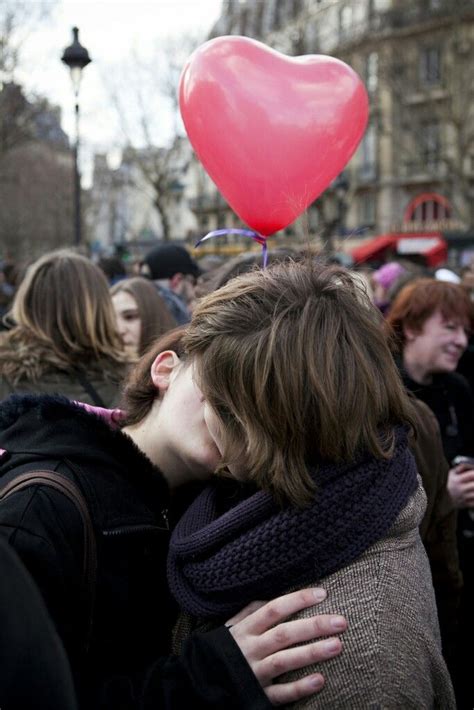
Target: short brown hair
(139,392)
(155,318)
(295,364)
(418,300)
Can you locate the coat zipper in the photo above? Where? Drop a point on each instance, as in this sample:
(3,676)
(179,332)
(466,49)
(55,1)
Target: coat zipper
(136,529)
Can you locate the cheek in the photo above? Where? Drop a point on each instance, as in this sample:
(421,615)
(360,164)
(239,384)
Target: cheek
(135,328)
(213,426)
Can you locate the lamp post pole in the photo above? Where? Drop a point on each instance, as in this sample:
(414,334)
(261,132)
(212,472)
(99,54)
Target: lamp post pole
(76,57)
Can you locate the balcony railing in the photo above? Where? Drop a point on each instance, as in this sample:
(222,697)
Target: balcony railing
(208,203)
(412,12)
(434,169)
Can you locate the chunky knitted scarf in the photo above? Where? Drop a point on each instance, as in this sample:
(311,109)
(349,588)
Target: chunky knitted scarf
(256,550)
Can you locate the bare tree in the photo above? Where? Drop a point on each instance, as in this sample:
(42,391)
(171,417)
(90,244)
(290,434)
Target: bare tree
(149,117)
(17,20)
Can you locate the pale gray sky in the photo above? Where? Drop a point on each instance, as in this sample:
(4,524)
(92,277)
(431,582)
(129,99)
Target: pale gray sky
(111,30)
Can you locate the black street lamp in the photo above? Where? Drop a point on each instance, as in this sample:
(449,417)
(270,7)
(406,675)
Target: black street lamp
(76,57)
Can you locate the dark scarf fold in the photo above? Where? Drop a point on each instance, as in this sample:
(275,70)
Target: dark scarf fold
(256,550)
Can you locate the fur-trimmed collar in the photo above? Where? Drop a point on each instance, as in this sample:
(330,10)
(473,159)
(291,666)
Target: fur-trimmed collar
(27,358)
(54,428)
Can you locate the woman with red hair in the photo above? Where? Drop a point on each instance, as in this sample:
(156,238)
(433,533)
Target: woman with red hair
(430,322)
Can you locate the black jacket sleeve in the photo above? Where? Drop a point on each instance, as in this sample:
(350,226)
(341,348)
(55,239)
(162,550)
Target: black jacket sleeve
(211,672)
(34,669)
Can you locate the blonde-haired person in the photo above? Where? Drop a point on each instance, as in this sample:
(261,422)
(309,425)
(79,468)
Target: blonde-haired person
(142,314)
(64,339)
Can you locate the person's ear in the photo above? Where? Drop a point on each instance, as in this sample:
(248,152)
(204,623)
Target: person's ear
(409,334)
(162,369)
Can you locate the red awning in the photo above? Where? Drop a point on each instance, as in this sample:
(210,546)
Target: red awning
(430,245)
(433,249)
(374,248)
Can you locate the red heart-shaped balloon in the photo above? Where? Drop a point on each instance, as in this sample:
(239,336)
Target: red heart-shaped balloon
(271,131)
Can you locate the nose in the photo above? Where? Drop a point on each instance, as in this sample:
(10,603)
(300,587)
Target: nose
(461,338)
(121,327)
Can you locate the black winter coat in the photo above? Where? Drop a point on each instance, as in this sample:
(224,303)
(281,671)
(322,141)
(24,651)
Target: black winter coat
(450,399)
(30,647)
(124,663)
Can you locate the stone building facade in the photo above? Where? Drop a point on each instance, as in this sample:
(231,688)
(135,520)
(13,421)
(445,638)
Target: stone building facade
(36,177)
(414,170)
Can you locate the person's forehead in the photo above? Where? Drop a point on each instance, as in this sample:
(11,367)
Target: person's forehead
(442,316)
(124,300)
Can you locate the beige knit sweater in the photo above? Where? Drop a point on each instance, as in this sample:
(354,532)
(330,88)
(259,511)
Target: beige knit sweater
(392,652)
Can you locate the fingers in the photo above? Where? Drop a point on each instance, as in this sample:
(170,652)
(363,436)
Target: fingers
(465,476)
(300,630)
(285,693)
(245,612)
(292,659)
(278,609)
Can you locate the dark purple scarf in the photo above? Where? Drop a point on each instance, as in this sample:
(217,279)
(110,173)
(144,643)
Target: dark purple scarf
(256,550)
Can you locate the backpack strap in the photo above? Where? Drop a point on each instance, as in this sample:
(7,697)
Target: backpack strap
(71,491)
(87,385)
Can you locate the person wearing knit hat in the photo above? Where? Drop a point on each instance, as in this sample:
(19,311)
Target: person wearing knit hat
(174,272)
(383,279)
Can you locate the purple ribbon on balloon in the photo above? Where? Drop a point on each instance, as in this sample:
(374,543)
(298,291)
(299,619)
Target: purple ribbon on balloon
(243,233)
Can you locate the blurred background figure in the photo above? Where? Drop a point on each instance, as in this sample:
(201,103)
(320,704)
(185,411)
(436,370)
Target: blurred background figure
(175,274)
(430,321)
(466,363)
(113,268)
(383,280)
(447,275)
(142,314)
(241,264)
(64,338)
(8,282)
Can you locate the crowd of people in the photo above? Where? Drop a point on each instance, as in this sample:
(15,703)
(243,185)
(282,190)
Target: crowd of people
(236,487)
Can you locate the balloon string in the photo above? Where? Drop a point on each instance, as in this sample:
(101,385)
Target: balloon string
(259,238)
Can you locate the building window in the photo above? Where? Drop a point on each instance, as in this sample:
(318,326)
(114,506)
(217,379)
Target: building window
(368,152)
(345,21)
(430,66)
(367,209)
(372,72)
(427,207)
(430,144)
